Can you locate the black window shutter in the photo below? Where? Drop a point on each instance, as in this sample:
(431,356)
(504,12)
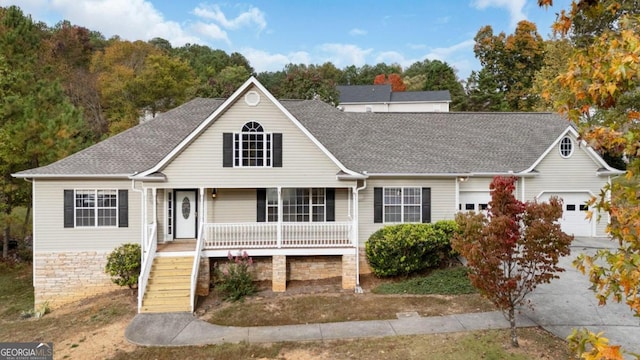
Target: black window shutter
(426,205)
(330,197)
(227,150)
(277,150)
(377,205)
(262,205)
(123,208)
(68,209)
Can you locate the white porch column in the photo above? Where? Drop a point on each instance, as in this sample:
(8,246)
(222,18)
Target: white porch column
(202,214)
(279,232)
(457,196)
(154,192)
(145,231)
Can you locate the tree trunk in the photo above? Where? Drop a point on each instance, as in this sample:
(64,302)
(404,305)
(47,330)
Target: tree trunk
(512,323)
(5,242)
(25,229)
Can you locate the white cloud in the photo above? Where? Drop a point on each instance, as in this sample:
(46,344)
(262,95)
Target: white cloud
(245,19)
(393,57)
(444,53)
(211,31)
(344,54)
(136,19)
(263,61)
(513,6)
(357,32)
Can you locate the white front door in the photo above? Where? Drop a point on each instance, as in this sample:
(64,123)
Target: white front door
(185,214)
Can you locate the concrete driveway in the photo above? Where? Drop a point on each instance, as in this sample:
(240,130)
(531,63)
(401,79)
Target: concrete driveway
(567,303)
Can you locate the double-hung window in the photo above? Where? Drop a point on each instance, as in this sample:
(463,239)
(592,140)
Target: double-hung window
(253,147)
(298,205)
(96,208)
(402,204)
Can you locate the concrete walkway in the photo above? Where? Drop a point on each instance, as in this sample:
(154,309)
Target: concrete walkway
(559,307)
(179,329)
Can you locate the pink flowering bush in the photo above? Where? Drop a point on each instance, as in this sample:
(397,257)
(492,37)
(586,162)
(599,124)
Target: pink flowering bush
(237,280)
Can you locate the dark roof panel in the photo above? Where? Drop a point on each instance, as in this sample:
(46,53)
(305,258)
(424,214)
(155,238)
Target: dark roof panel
(429,96)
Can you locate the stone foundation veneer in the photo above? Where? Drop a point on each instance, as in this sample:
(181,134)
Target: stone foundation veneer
(279,269)
(64,277)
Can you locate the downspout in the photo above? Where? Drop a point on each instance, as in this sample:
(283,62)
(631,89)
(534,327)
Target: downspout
(356,214)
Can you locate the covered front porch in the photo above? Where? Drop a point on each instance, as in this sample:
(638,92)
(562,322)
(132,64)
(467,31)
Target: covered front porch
(285,222)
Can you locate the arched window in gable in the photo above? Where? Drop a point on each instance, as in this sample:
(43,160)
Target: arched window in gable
(252,146)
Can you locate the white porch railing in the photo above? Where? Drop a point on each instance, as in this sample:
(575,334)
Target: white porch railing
(265,235)
(196,267)
(148,253)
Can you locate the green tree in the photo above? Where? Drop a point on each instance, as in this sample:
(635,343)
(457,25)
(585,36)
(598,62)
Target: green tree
(483,92)
(438,75)
(513,249)
(513,61)
(306,82)
(135,78)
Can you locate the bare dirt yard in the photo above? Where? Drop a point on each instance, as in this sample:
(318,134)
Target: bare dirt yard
(94,328)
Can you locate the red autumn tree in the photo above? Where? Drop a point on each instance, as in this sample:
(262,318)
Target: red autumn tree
(513,249)
(394,80)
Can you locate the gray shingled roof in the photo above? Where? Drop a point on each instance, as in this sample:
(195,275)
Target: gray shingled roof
(364,93)
(136,149)
(383,93)
(430,143)
(430,96)
(419,143)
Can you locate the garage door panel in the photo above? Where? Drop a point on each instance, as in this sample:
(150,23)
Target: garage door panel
(574,213)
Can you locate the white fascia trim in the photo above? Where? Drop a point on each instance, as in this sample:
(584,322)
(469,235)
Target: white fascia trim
(352,177)
(616,172)
(70,176)
(564,191)
(148,178)
(223,107)
(453,175)
(582,144)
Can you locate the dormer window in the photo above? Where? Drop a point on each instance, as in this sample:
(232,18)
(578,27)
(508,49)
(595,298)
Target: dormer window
(252,147)
(566,147)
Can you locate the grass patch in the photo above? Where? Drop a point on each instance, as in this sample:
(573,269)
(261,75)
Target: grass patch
(492,344)
(449,281)
(314,308)
(16,290)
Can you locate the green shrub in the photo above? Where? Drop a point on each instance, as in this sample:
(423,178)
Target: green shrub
(123,264)
(407,248)
(236,280)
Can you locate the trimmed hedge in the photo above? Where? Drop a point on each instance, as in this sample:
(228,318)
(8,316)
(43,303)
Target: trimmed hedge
(407,248)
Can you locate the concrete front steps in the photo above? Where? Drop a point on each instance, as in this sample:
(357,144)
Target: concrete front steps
(168,288)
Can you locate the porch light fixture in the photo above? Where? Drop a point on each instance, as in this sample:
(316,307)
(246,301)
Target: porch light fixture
(463,178)
(214,193)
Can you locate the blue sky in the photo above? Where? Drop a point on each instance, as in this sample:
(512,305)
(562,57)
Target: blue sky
(273,33)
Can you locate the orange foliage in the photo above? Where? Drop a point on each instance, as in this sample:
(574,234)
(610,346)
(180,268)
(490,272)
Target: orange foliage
(394,80)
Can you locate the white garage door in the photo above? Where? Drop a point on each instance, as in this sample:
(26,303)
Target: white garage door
(574,215)
(474,201)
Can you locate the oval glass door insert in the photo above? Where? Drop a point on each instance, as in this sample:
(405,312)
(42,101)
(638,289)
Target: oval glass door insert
(186,207)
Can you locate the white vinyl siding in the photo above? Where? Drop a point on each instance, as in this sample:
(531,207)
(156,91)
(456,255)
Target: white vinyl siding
(49,232)
(304,165)
(576,173)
